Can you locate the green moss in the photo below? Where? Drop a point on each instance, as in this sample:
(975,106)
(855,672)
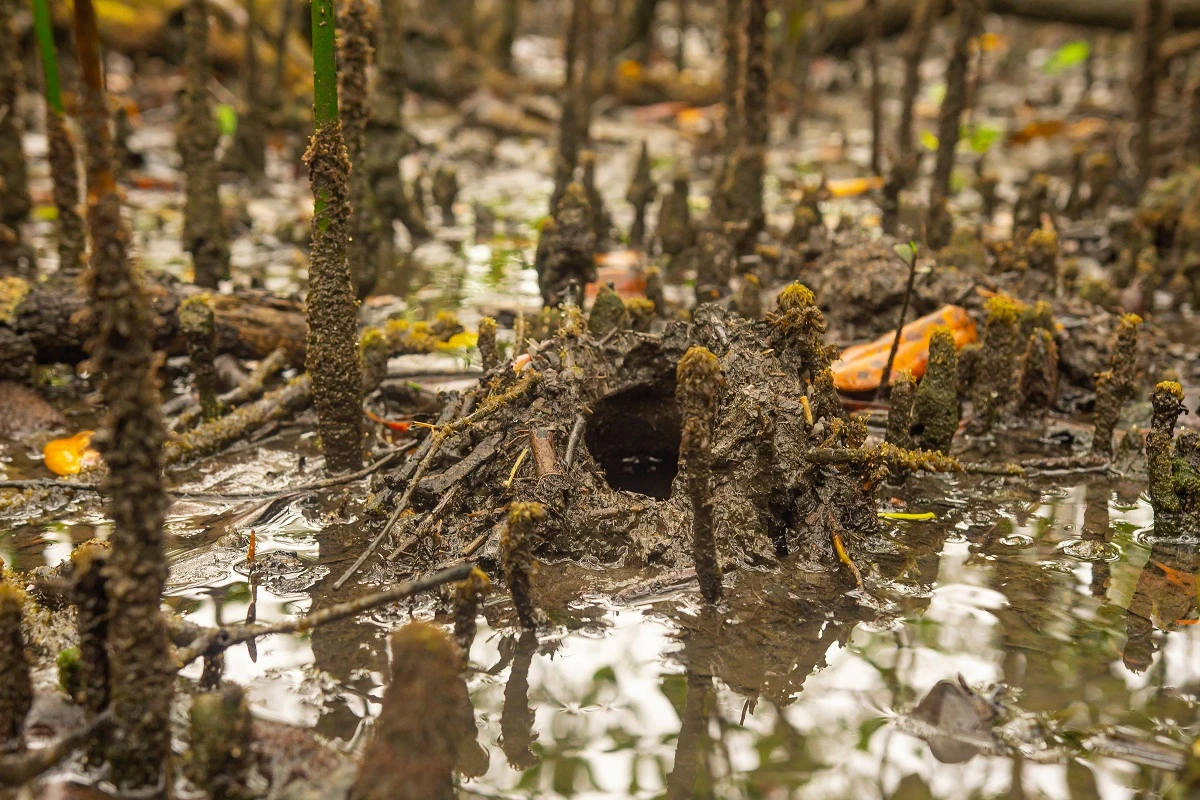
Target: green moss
(608,312)
(516,557)
(697,389)
(936,410)
(69,672)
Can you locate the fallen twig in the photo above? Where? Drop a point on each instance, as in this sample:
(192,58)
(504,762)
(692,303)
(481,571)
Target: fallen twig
(214,640)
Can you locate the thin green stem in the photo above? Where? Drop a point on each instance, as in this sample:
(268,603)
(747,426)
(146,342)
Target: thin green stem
(44,27)
(325,89)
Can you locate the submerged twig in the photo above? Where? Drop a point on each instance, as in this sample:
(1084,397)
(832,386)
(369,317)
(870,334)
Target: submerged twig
(19,768)
(214,640)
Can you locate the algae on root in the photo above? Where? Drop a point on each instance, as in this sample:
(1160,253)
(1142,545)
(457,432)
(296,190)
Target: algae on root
(936,419)
(641,193)
(698,389)
(608,312)
(332,313)
(486,344)
(467,595)
(1115,385)
(221,755)
(1167,402)
(992,387)
(901,401)
(516,557)
(566,257)
(16,686)
(198,327)
(205,234)
(427,725)
(89,595)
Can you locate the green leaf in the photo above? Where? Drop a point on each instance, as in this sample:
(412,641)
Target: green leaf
(906,251)
(928,140)
(983,137)
(1071,54)
(227,119)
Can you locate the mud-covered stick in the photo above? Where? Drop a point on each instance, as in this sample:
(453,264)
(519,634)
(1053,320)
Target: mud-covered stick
(217,639)
(20,768)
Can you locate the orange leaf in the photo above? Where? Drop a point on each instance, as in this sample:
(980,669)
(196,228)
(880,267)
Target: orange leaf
(860,368)
(69,456)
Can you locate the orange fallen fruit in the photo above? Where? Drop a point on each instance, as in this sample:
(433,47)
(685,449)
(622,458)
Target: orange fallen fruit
(860,369)
(71,455)
(852,187)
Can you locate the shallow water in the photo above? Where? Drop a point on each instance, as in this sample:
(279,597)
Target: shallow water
(795,688)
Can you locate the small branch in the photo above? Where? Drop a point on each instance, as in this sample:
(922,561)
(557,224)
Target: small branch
(573,441)
(20,768)
(215,640)
(886,378)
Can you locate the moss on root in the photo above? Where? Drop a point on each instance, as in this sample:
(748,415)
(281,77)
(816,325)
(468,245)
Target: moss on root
(1115,385)
(698,389)
(516,555)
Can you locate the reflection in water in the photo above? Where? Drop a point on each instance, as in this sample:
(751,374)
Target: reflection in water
(786,691)
(693,729)
(516,721)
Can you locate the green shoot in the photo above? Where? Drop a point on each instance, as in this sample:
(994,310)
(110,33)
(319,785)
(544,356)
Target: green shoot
(44,27)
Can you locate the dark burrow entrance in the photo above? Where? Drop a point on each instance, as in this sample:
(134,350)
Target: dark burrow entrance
(634,436)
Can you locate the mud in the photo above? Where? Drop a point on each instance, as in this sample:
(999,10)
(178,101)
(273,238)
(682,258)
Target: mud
(64,169)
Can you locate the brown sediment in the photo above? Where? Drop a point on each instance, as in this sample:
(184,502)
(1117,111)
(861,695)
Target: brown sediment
(1152,25)
(698,387)
(655,290)
(445,192)
(205,235)
(749,300)
(1167,402)
(992,387)
(732,32)
(738,200)
(954,103)
(426,725)
(16,686)
(130,439)
(901,411)
(601,223)
(64,169)
(1038,385)
(467,595)
(570,99)
(198,327)
(332,353)
(876,92)
(715,257)
(15,202)
(641,193)
(799,328)
(566,258)
(354,60)
(221,755)
(486,344)
(89,595)
(374,351)
(249,151)
(387,140)
(516,556)
(920,27)
(608,312)
(1115,385)
(675,232)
